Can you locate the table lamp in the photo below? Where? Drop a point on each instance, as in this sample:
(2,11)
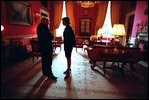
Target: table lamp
(118,31)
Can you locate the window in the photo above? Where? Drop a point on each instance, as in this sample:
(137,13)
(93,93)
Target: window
(107,27)
(59,31)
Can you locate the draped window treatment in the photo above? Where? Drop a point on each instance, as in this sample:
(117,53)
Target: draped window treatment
(101,15)
(70,13)
(115,12)
(57,15)
(115,16)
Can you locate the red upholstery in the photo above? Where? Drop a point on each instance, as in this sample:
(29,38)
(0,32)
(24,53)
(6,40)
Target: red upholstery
(95,52)
(79,43)
(106,53)
(35,48)
(58,42)
(25,42)
(106,38)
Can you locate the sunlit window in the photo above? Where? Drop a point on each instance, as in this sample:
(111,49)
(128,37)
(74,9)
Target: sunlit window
(59,31)
(107,27)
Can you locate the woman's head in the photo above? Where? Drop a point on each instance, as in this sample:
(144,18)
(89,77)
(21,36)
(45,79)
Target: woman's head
(66,21)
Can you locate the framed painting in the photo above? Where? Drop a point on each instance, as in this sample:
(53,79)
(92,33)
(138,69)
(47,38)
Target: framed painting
(19,12)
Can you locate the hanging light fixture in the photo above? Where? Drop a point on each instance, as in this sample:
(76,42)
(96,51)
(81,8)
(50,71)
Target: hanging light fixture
(87,4)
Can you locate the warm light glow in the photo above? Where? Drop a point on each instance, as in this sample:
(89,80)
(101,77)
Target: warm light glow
(2,27)
(118,30)
(87,4)
(37,15)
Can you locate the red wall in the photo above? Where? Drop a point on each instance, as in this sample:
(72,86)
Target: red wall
(139,16)
(24,30)
(14,30)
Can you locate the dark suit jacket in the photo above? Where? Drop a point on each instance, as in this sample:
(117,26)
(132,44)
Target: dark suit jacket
(44,38)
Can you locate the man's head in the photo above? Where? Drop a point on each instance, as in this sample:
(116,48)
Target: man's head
(45,21)
(66,21)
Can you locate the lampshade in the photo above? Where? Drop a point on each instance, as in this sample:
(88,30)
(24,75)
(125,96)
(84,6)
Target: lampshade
(118,30)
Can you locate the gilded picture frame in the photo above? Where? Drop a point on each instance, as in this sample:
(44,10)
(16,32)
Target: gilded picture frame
(19,12)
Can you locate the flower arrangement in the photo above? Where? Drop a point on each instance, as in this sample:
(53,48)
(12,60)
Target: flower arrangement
(142,27)
(94,38)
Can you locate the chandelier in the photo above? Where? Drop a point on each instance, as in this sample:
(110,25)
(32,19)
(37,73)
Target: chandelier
(87,4)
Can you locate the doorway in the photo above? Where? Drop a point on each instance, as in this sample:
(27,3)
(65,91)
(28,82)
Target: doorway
(129,24)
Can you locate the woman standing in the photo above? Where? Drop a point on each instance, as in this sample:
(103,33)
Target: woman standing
(69,42)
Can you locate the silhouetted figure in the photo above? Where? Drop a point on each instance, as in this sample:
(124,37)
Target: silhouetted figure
(46,47)
(69,42)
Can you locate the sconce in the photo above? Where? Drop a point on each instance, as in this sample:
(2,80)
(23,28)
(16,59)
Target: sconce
(2,28)
(36,16)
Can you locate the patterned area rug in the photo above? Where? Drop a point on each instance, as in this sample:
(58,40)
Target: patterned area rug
(25,80)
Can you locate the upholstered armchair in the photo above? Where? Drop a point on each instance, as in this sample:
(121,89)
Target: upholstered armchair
(35,48)
(79,43)
(57,42)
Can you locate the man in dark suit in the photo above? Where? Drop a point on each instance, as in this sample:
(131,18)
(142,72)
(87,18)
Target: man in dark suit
(46,47)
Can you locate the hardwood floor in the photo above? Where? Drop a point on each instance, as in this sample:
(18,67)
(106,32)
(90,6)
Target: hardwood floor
(25,80)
